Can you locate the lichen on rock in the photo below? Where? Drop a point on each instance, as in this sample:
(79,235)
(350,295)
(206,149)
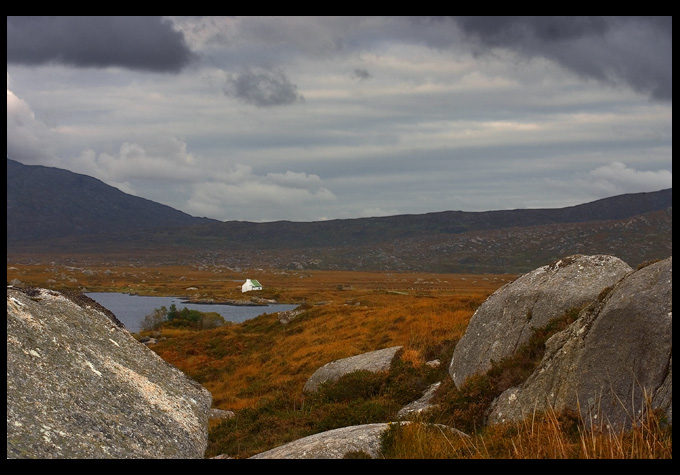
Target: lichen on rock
(80,386)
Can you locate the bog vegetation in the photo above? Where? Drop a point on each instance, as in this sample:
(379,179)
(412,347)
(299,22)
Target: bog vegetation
(257,368)
(185,318)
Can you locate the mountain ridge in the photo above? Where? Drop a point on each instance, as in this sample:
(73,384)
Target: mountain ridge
(636,227)
(446,222)
(47,203)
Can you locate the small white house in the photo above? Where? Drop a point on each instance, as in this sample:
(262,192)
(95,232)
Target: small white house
(251,284)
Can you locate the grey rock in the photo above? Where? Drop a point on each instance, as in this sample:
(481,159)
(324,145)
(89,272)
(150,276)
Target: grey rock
(287,316)
(337,443)
(421,405)
(218,414)
(222,457)
(80,386)
(509,316)
(332,444)
(379,360)
(618,351)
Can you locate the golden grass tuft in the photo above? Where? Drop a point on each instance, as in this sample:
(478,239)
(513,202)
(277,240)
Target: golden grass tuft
(546,435)
(413,357)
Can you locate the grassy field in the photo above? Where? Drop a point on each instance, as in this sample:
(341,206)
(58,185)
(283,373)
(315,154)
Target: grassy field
(258,368)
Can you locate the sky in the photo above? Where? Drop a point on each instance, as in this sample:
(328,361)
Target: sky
(314,118)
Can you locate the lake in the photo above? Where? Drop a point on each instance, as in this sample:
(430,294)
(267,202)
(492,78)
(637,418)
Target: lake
(131,309)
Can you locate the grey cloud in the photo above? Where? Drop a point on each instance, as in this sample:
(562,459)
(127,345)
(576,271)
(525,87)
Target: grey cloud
(140,43)
(635,50)
(263,88)
(361,74)
(510,30)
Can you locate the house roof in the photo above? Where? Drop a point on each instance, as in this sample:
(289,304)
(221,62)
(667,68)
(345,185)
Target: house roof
(255,283)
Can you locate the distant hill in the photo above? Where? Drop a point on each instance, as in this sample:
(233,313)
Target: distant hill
(45,203)
(361,231)
(52,212)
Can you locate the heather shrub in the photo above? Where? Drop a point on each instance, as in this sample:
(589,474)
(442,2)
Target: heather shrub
(353,386)
(356,412)
(425,441)
(211,320)
(406,383)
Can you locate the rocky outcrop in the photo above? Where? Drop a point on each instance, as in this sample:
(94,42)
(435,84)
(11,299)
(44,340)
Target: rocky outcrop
(618,352)
(80,386)
(379,360)
(508,317)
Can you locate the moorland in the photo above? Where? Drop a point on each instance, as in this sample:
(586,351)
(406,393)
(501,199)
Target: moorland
(361,285)
(257,369)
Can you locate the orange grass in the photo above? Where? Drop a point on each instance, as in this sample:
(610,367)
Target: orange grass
(348,313)
(253,359)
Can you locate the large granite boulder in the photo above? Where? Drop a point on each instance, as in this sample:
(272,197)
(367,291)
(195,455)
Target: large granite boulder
(618,352)
(332,444)
(374,361)
(80,386)
(507,319)
(340,443)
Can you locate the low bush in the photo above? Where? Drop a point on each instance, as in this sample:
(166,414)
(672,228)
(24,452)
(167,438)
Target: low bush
(359,385)
(173,318)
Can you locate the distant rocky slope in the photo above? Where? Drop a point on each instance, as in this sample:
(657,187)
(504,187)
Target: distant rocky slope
(53,214)
(80,386)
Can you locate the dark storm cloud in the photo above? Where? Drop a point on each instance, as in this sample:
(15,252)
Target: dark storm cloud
(509,30)
(263,88)
(635,50)
(139,43)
